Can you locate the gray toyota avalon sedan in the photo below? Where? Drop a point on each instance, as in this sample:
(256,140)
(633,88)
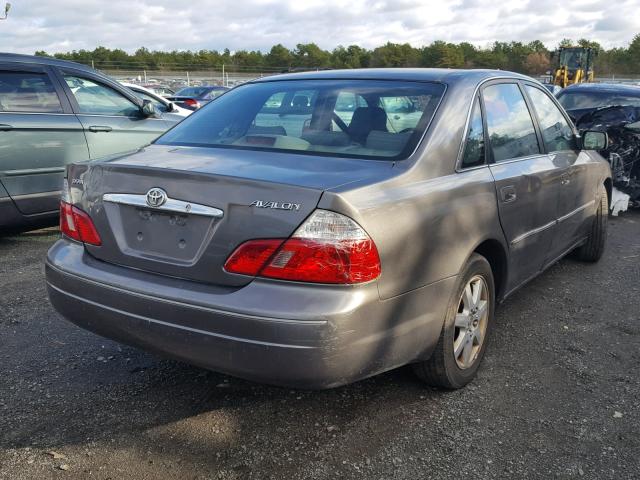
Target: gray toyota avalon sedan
(314,229)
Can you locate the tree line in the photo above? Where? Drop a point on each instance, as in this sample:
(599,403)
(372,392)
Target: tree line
(531,58)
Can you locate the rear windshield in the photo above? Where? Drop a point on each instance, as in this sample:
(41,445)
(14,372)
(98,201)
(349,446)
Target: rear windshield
(346,118)
(580,100)
(192,91)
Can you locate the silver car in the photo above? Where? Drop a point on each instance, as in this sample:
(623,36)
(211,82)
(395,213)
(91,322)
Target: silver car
(313,229)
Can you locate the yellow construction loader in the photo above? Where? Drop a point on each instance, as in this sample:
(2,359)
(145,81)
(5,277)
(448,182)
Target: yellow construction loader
(574,65)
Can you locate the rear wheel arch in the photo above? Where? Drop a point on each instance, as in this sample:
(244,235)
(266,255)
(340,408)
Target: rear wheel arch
(494,252)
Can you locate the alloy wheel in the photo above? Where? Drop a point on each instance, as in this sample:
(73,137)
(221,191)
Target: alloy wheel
(471,322)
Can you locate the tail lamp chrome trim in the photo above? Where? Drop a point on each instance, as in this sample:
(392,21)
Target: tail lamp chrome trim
(170,205)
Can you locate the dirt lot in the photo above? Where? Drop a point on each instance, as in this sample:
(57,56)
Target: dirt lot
(557,397)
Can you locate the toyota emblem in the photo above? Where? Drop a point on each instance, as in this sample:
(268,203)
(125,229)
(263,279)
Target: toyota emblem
(156,197)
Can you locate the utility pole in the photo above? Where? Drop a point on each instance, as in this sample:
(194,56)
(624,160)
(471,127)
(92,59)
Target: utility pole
(7,7)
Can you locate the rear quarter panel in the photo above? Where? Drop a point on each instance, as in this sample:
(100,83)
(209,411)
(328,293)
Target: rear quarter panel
(427,220)
(424,229)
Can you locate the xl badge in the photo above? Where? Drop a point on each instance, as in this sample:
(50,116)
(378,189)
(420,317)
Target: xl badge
(275,205)
(156,197)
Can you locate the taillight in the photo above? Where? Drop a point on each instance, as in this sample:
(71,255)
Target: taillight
(77,224)
(192,103)
(249,257)
(327,248)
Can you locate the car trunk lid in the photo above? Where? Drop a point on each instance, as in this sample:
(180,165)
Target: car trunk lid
(217,200)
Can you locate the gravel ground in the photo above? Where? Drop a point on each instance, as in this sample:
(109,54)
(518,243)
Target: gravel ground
(557,396)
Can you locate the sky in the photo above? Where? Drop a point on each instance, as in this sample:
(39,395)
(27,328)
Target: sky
(65,25)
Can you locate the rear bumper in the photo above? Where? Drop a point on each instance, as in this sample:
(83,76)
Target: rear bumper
(307,336)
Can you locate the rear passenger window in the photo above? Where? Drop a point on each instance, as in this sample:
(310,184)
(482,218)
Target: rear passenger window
(509,124)
(474,146)
(556,132)
(28,92)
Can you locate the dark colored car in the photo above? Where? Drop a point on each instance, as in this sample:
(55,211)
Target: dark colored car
(315,229)
(53,113)
(194,98)
(584,98)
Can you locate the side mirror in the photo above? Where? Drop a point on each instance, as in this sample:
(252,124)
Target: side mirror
(171,107)
(147,109)
(593,140)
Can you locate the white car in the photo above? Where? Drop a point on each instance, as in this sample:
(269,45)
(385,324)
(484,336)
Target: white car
(167,108)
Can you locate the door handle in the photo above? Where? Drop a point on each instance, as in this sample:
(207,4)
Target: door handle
(5,128)
(100,128)
(565,179)
(508,194)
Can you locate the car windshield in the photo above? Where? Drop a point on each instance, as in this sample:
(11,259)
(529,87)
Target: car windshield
(192,91)
(584,100)
(346,118)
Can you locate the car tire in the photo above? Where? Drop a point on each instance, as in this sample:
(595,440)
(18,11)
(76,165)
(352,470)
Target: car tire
(593,248)
(448,367)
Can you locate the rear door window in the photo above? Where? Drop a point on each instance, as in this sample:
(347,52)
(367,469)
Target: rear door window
(98,99)
(474,146)
(28,92)
(556,131)
(509,124)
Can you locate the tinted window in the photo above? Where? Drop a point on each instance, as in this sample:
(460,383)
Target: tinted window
(98,99)
(27,92)
(474,146)
(556,132)
(509,124)
(579,100)
(301,116)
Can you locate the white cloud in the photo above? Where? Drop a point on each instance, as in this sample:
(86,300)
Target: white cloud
(63,25)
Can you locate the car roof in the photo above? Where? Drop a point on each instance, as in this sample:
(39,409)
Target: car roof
(604,87)
(18,58)
(444,75)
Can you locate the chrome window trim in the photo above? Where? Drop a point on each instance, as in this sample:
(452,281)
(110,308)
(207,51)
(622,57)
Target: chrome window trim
(171,205)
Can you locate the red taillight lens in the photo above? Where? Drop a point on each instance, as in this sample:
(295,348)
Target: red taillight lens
(249,257)
(305,260)
(327,248)
(192,103)
(76,224)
